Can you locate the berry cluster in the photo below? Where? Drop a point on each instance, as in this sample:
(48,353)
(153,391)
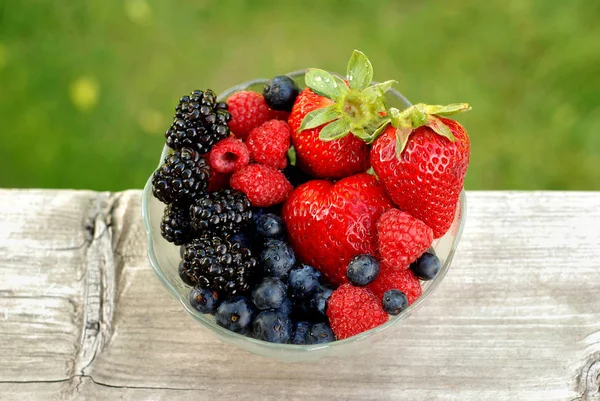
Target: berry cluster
(285,236)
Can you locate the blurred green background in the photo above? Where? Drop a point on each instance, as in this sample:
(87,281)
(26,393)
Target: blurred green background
(87,88)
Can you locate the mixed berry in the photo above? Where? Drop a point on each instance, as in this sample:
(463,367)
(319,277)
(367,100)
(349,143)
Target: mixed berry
(306,216)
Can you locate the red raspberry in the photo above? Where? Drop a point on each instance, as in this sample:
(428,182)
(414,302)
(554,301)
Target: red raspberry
(402,238)
(263,185)
(352,310)
(403,280)
(217,181)
(282,163)
(248,110)
(228,155)
(269,142)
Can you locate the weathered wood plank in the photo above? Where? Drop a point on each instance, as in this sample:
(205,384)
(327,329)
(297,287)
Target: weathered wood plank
(517,317)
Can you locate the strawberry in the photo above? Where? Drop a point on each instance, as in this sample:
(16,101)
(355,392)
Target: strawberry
(332,120)
(353,310)
(422,160)
(328,224)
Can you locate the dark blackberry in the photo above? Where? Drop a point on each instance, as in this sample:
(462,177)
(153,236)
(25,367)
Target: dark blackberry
(175,225)
(219,265)
(224,212)
(200,122)
(181,178)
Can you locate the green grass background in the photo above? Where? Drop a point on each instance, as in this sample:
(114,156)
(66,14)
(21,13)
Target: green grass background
(530,69)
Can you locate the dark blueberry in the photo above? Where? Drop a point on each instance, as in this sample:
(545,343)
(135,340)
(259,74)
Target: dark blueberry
(256,213)
(427,266)
(320,333)
(319,300)
(394,302)
(272,326)
(270,225)
(280,93)
(300,332)
(362,269)
(184,276)
(241,239)
(278,258)
(303,281)
(269,293)
(295,176)
(204,300)
(286,307)
(235,314)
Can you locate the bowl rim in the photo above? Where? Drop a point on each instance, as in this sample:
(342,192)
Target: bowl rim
(221,331)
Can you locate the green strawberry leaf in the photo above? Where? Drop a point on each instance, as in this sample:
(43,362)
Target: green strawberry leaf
(320,116)
(335,130)
(447,110)
(381,88)
(342,85)
(360,71)
(383,125)
(322,83)
(402,134)
(440,128)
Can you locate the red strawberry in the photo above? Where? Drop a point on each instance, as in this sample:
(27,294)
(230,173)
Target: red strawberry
(329,224)
(353,310)
(403,280)
(402,238)
(263,185)
(333,119)
(269,142)
(427,177)
(334,159)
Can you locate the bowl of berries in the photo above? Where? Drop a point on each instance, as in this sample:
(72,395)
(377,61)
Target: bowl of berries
(306,215)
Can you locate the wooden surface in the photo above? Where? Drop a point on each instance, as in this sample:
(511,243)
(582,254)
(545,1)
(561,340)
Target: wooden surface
(83,317)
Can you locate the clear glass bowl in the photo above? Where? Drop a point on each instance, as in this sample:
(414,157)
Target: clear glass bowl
(164,258)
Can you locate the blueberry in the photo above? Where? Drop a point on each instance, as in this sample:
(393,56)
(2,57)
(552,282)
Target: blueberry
(272,326)
(427,266)
(235,314)
(280,93)
(394,302)
(257,212)
(320,333)
(319,301)
(204,300)
(300,331)
(270,225)
(269,293)
(362,269)
(286,307)
(241,239)
(303,281)
(278,258)
(189,280)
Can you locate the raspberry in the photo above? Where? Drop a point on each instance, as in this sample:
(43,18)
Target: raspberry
(282,163)
(269,142)
(403,280)
(352,310)
(248,110)
(280,115)
(402,238)
(228,155)
(263,185)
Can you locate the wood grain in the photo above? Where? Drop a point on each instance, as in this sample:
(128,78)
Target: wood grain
(83,317)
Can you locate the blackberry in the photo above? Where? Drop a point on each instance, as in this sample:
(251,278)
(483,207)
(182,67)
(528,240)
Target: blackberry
(175,225)
(224,212)
(219,265)
(200,122)
(181,178)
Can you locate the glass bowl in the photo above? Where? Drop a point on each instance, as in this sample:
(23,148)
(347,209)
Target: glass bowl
(164,258)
